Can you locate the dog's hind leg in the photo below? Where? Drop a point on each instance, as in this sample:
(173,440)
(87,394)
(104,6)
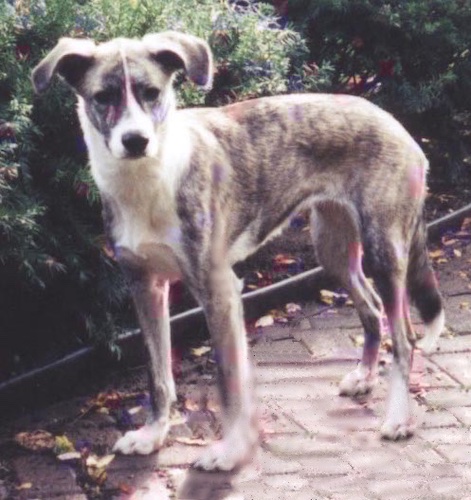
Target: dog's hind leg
(339,250)
(389,262)
(224,314)
(150,296)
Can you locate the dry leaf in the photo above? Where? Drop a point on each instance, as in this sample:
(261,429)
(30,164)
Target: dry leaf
(38,440)
(447,242)
(264,321)
(200,351)
(191,441)
(327,297)
(63,444)
(71,455)
(191,405)
(292,308)
(435,254)
(457,253)
(99,462)
(24,486)
(464,305)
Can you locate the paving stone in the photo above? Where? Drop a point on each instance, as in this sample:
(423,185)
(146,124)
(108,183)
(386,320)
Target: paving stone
(386,458)
(422,453)
(201,485)
(397,488)
(325,465)
(454,344)
(458,366)
(48,478)
(303,445)
(457,318)
(463,414)
(273,421)
(334,343)
(271,464)
(448,487)
(447,398)
(286,482)
(450,435)
(456,453)
(436,378)
(431,418)
(310,388)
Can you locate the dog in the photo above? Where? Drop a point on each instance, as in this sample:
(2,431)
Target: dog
(188,193)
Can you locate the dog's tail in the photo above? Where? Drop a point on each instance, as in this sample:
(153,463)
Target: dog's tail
(423,289)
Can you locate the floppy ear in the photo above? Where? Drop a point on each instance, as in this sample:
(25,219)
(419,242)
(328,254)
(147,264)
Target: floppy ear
(70,58)
(180,51)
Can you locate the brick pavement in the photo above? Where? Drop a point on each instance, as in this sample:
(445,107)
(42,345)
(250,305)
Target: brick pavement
(317,445)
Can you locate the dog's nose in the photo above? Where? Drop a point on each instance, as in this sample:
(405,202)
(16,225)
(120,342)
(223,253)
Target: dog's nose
(134,143)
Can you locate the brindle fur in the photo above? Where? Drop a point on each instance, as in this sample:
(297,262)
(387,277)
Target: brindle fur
(236,176)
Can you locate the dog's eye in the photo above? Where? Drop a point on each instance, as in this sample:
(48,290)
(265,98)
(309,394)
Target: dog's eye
(107,97)
(150,94)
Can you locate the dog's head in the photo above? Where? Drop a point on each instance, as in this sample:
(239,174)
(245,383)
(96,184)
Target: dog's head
(125,85)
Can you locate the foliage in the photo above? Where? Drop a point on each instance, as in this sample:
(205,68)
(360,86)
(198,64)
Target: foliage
(60,288)
(411,58)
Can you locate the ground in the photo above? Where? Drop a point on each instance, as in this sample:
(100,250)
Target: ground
(314,445)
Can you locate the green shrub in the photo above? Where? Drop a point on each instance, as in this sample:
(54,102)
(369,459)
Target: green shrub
(59,287)
(411,58)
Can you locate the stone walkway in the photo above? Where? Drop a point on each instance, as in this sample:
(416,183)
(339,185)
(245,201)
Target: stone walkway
(316,445)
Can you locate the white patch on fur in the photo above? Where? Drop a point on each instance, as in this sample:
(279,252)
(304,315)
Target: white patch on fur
(397,424)
(134,119)
(145,440)
(359,381)
(146,222)
(432,332)
(235,450)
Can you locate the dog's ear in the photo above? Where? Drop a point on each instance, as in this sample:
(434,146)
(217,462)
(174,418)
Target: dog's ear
(180,51)
(70,58)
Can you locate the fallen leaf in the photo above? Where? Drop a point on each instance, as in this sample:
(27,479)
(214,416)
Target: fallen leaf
(464,305)
(200,351)
(99,462)
(191,405)
(70,455)
(24,486)
(191,441)
(435,254)
(264,321)
(457,253)
(292,308)
(134,410)
(327,297)
(63,445)
(38,440)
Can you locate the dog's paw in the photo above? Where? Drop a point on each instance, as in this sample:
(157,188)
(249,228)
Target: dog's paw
(230,453)
(224,456)
(357,382)
(395,431)
(143,441)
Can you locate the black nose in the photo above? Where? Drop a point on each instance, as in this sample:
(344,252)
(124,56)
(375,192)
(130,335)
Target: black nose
(134,143)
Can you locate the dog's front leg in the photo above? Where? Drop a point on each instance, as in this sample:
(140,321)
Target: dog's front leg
(224,314)
(150,296)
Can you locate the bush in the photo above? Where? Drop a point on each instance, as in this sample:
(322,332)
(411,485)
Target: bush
(60,288)
(411,58)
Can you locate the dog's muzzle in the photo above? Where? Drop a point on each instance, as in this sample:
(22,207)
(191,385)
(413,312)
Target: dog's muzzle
(135,144)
